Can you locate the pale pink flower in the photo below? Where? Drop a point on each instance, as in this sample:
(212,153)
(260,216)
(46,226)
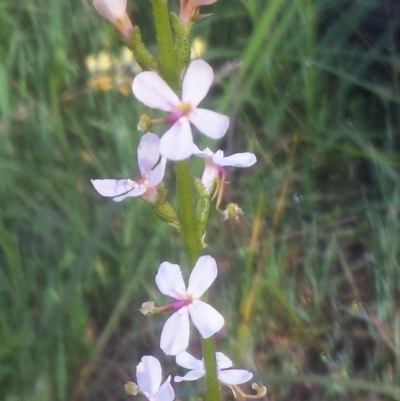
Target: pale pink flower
(149,376)
(154,92)
(176,330)
(215,163)
(226,376)
(151,174)
(115,12)
(189,8)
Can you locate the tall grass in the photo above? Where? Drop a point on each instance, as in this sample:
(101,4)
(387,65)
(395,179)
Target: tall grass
(309,281)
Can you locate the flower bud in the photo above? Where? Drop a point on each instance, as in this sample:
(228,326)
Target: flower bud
(115,12)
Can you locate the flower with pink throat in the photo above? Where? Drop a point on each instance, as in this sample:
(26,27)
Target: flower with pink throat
(115,12)
(225,375)
(154,92)
(152,174)
(176,331)
(149,376)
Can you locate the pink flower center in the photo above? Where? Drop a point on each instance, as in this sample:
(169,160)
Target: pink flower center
(184,109)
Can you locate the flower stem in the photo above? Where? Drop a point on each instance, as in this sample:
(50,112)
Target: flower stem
(193,247)
(165,43)
(187,213)
(190,234)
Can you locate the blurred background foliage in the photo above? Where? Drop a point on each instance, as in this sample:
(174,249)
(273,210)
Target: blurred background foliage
(309,277)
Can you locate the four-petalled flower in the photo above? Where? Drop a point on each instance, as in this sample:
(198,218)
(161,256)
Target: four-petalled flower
(154,92)
(225,375)
(152,174)
(176,331)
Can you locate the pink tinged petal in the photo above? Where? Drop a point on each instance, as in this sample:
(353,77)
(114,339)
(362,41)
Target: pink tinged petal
(188,361)
(212,124)
(199,3)
(148,374)
(207,320)
(175,333)
(112,187)
(157,175)
(111,10)
(210,174)
(223,361)
(203,275)
(237,160)
(169,280)
(148,152)
(234,376)
(154,92)
(166,392)
(177,142)
(192,375)
(151,195)
(197,82)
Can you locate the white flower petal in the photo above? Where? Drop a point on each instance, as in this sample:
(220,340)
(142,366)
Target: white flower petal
(197,82)
(207,320)
(133,193)
(154,92)
(148,152)
(111,10)
(188,361)
(169,280)
(234,376)
(166,392)
(157,175)
(212,124)
(148,374)
(112,187)
(177,142)
(203,275)
(223,361)
(192,375)
(246,159)
(175,333)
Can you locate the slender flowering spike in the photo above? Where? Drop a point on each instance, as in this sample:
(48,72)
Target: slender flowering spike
(215,163)
(175,333)
(153,91)
(226,376)
(152,174)
(115,12)
(189,8)
(149,376)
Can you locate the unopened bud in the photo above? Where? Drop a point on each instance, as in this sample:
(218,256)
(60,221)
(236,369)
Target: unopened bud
(111,10)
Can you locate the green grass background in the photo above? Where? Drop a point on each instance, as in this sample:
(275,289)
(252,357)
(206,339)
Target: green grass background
(309,277)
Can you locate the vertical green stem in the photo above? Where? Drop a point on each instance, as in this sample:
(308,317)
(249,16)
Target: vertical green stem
(192,241)
(187,212)
(165,43)
(190,233)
